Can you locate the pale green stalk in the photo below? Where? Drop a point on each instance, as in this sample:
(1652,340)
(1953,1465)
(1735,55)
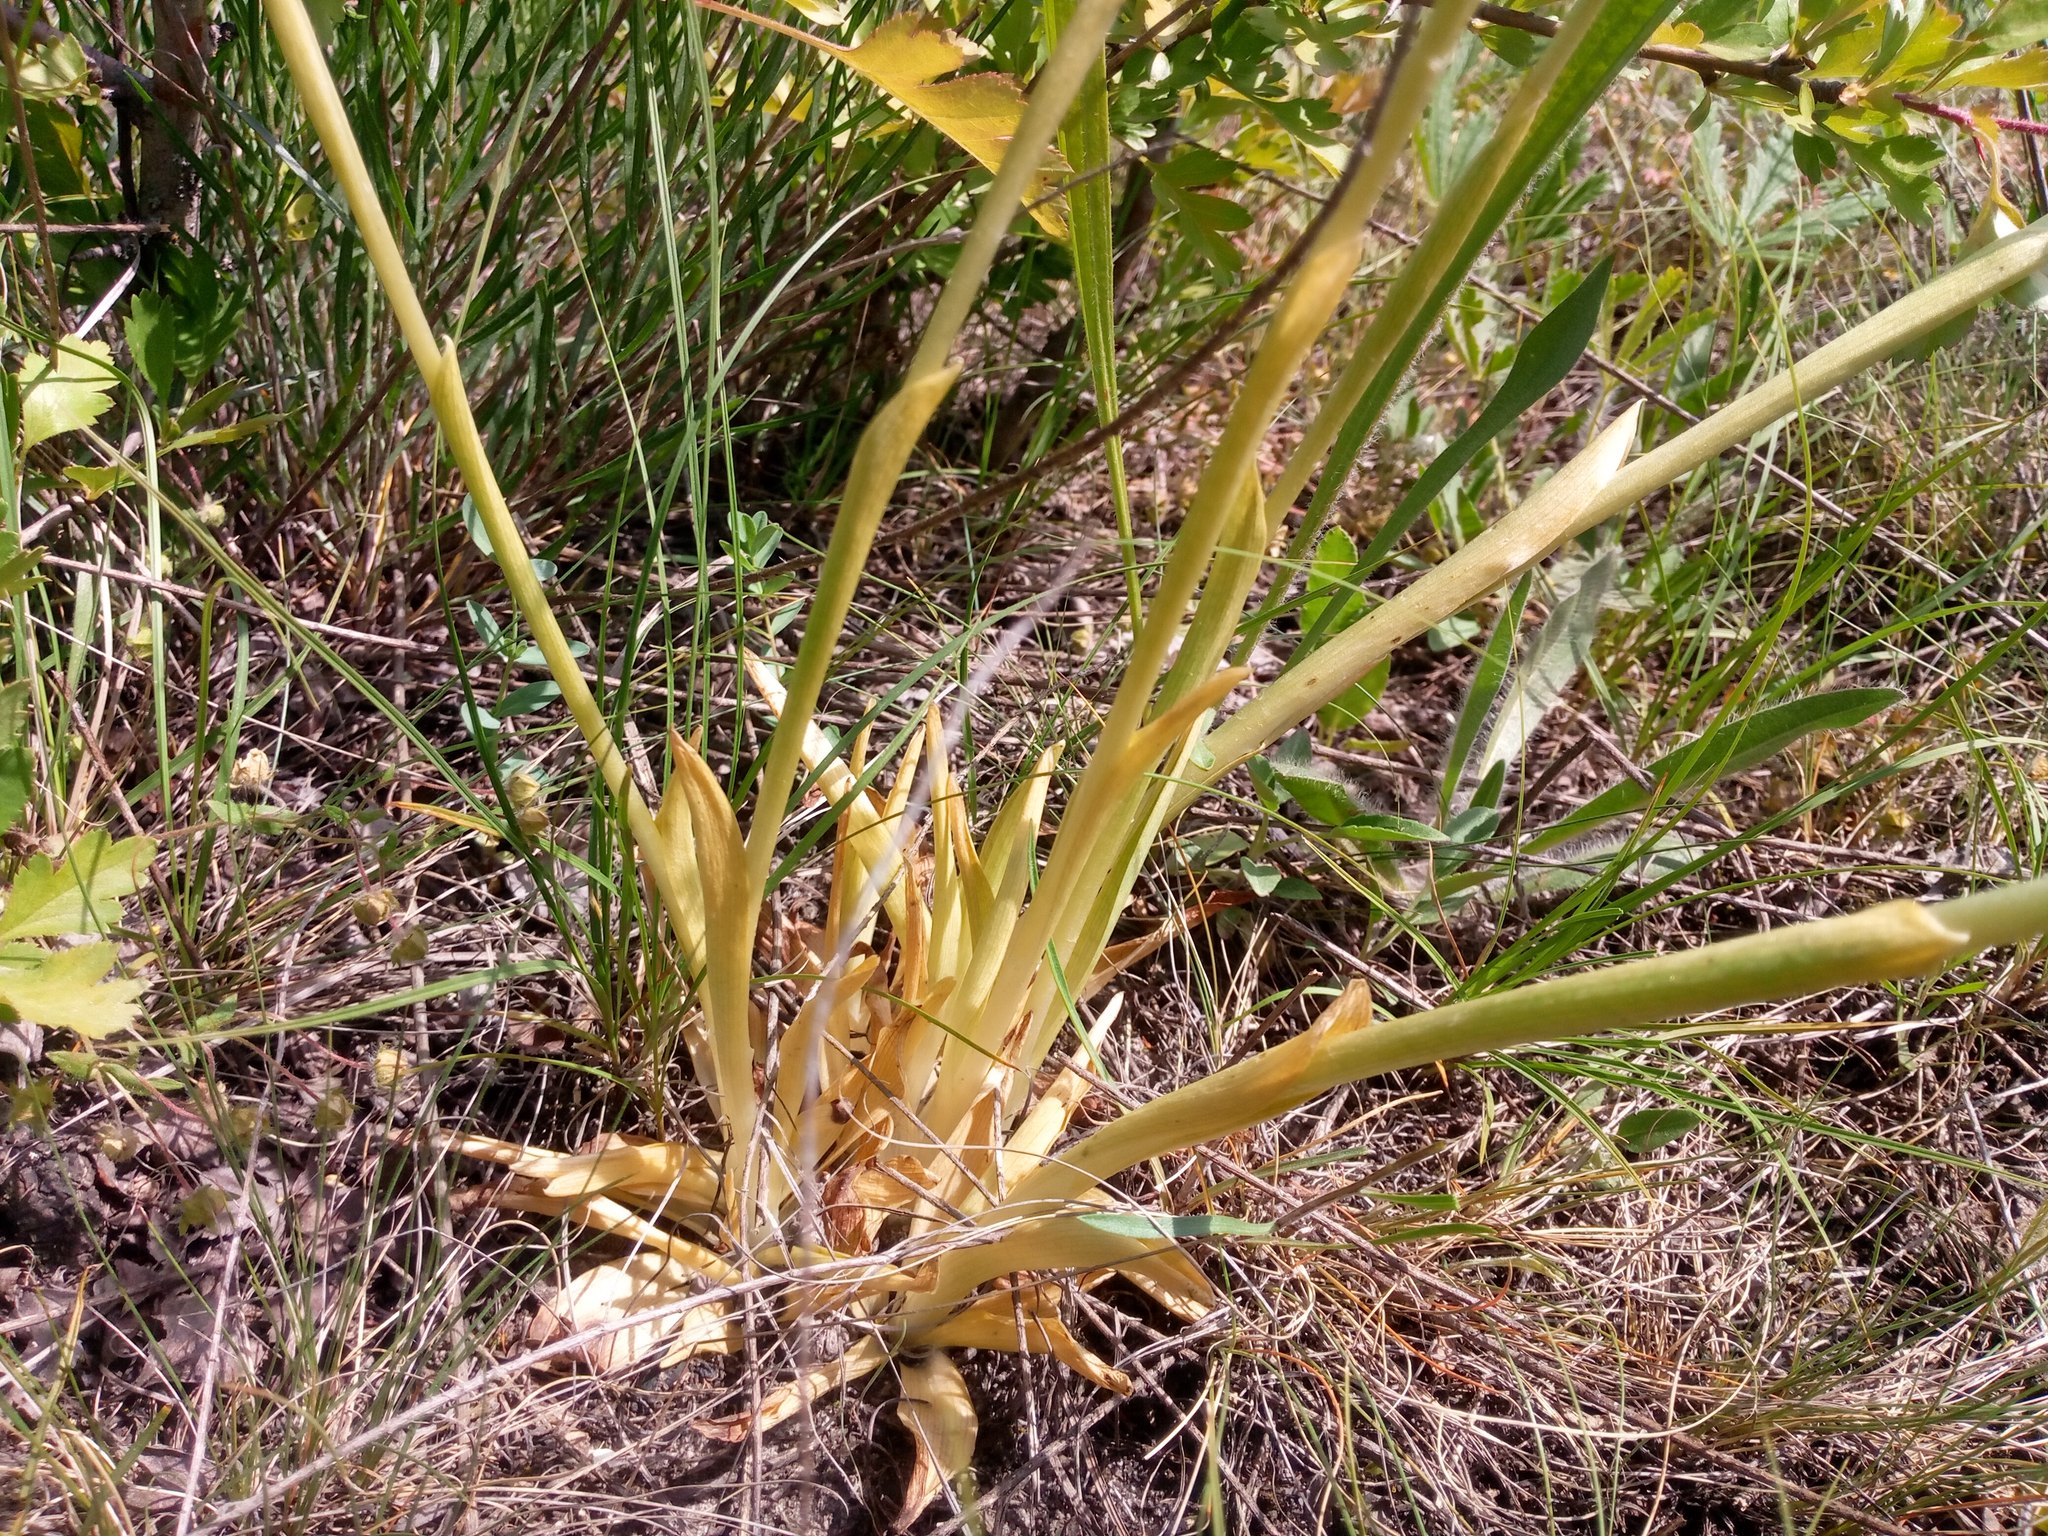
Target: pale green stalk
(1241,557)
(1089,834)
(1104,831)
(1349,655)
(886,445)
(1897,940)
(1091,225)
(1448,229)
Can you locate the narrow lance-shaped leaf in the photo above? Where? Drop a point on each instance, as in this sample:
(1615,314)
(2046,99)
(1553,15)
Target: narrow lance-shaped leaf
(1733,747)
(1601,488)
(728,963)
(1487,682)
(1593,45)
(1546,355)
(1554,658)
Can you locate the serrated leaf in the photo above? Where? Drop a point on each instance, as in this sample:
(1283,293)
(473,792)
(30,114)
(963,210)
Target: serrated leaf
(70,389)
(17,570)
(52,70)
(2023,73)
(905,57)
(67,989)
(152,332)
(17,783)
(2013,24)
(83,894)
(93,479)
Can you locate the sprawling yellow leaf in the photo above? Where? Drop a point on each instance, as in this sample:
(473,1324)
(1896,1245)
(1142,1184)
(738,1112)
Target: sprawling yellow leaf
(66,989)
(906,56)
(721,867)
(863,1359)
(626,1296)
(940,1416)
(1024,1321)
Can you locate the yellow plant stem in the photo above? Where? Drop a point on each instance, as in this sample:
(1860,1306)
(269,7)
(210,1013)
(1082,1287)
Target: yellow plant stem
(1104,832)
(886,444)
(1355,651)
(1896,940)
(1449,226)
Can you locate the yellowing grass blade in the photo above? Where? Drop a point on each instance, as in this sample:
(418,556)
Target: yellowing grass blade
(939,1414)
(827,1014)
(683,1173)
(952,935)
(1022,1321)
(863,1359)
(613,1295)
(728,961)
(673,869)
(605,1214)
(1009,851)
(867,826)
(1170,1278)
(1009,856)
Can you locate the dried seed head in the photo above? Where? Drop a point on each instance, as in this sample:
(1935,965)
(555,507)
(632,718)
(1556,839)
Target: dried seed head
(389,1067)
(373,907)
(252,773)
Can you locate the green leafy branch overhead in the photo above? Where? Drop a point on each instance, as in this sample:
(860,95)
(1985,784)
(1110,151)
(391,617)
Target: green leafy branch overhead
(1858,80)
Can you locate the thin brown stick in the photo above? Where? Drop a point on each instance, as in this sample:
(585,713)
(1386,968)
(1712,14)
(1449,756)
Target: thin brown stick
(115,227)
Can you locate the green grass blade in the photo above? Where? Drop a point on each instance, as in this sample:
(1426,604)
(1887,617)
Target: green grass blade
(1597,40)
(1546,355)
(1091,225)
